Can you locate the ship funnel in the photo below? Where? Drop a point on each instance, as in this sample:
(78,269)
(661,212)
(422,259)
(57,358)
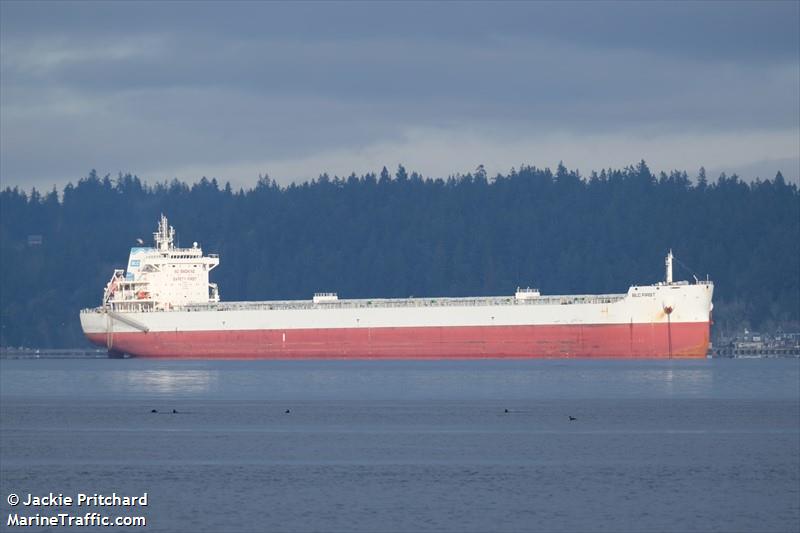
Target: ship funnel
(165,236)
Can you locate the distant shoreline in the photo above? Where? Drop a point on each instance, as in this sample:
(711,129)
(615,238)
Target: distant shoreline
(52,353)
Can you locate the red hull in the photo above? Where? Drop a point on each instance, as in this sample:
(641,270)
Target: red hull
(680,340)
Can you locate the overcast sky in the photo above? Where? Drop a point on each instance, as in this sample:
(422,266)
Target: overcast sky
(231,90)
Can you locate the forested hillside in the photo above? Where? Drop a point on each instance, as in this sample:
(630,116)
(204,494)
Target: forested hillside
(400,235)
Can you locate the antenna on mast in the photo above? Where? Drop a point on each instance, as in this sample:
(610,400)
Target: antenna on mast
(668,263)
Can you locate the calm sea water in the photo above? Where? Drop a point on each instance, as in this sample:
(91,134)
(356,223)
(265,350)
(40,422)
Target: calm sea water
(710,445)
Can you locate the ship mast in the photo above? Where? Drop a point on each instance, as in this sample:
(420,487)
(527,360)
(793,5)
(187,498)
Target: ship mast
(668,263)
(165,235)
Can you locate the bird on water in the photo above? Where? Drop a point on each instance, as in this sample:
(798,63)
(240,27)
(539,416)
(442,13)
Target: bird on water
(571,418)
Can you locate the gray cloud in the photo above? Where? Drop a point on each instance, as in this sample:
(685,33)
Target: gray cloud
(189,89)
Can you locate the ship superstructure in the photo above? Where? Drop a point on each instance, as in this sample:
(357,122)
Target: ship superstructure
(163,305)
(162,277)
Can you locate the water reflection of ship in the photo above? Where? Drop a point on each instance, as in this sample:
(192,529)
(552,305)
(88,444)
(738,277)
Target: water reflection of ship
(165,381)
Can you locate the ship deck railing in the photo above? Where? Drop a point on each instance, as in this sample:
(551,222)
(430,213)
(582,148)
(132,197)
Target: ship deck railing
(378,303)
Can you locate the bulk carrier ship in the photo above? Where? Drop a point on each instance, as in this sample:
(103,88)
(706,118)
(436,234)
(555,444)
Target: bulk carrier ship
(163,305)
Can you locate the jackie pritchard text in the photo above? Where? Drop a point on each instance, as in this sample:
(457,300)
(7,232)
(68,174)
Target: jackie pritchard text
(78,500)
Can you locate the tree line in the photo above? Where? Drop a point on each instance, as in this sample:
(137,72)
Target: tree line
(402,234)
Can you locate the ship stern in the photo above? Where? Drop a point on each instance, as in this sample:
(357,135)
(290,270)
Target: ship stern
(94,326)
